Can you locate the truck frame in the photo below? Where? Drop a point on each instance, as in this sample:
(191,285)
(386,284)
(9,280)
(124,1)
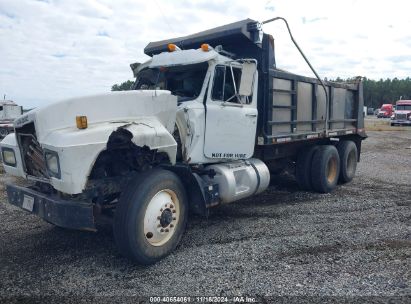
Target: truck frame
(207,121)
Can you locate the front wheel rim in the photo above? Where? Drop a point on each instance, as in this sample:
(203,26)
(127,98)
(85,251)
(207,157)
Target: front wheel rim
(161,218)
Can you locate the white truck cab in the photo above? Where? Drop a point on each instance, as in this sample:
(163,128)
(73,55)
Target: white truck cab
(206,82)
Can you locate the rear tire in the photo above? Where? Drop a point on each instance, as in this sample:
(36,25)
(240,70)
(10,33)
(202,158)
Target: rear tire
(325,169)
(303,168)
(348,153)
(151,216)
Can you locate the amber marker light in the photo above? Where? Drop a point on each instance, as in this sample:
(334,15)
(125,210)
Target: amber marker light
(205,47)
(172,47)
(81,122)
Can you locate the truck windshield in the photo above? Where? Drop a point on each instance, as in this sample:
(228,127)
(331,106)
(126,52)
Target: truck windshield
(404,107)
(184,81)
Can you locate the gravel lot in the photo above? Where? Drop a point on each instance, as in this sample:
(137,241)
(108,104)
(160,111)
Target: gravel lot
(353,242)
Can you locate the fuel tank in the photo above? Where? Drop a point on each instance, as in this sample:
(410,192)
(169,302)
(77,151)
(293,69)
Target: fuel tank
(239,179)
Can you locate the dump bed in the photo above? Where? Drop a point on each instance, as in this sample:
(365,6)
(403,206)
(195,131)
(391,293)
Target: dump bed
(295,108)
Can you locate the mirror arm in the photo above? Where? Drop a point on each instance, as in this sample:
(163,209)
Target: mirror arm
(232,75)
(227,104)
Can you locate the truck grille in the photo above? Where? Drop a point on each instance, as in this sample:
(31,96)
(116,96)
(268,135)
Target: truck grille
(31,151)
(400,116)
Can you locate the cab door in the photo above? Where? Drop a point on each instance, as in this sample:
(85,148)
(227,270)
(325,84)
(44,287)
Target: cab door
(231,118)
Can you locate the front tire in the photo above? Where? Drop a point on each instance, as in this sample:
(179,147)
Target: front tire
(151,216)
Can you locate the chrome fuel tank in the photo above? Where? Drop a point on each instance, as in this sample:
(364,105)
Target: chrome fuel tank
(239,179)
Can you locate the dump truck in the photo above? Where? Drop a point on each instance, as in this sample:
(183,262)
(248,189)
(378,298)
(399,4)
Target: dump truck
(209,118)
(9,111)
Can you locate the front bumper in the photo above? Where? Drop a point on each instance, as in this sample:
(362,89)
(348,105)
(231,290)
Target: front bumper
(60,212)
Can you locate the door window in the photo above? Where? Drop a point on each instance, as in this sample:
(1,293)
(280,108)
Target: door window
(226,82)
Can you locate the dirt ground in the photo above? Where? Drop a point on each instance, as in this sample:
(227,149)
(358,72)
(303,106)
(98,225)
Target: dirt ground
(355,241)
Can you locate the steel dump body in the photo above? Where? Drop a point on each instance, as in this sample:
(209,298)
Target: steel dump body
(291,108)
(296,108)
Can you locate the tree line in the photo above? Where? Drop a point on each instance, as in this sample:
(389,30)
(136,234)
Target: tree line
(383,91)
(376,92)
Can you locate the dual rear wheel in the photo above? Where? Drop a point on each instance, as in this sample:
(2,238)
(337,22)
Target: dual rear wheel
(319,168)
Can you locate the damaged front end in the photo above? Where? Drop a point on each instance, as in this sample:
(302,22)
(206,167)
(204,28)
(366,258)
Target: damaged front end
(76,174)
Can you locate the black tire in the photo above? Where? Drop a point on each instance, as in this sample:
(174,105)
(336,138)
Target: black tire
(348,153)
(303,168)
(129,234)
(325,169)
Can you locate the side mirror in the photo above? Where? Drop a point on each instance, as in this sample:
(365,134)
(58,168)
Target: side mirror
(134,67)
(247,79)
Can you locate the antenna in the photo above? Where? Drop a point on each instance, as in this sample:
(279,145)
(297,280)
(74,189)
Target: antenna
(164,16)
(167,21)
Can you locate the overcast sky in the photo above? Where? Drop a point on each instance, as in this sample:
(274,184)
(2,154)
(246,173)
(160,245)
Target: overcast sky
(55,49)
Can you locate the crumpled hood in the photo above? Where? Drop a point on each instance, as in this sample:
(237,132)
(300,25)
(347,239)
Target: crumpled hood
(113,106)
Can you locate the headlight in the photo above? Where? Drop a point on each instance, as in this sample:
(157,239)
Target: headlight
(9,158)
(53,164)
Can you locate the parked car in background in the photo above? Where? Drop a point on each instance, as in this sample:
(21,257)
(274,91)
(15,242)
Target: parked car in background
(402,114)
(370,111)
(376,111)
(385,111)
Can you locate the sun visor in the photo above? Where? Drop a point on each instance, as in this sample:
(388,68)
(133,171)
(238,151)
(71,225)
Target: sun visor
(182,58)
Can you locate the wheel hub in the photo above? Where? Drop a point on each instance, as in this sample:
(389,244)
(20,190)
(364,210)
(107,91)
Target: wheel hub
(332,170)
(166,218)
(161,217)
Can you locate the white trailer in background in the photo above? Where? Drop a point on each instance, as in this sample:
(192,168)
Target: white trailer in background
(9,111)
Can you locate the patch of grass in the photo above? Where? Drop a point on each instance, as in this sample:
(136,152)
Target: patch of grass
(383,125)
